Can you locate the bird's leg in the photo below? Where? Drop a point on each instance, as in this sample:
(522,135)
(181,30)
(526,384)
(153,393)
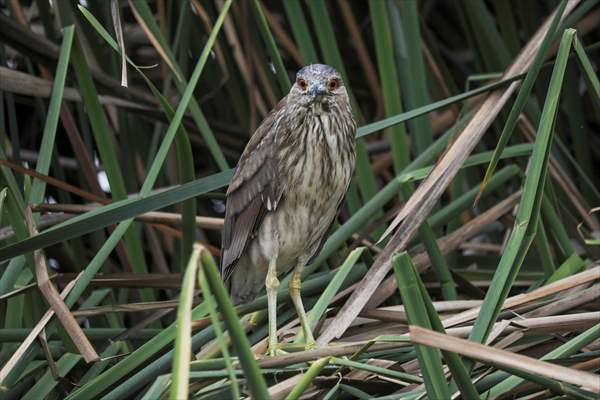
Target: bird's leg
(272,284)
(297,299)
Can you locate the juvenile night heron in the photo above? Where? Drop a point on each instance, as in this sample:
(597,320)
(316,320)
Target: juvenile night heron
(287,189)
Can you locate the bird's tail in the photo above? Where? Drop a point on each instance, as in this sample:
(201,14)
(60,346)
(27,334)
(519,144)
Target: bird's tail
(245,282)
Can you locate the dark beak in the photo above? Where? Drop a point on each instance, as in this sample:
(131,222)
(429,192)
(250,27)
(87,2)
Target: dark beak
(317,90)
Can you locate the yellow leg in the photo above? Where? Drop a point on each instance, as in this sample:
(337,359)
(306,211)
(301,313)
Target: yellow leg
(297,300)
(272,283)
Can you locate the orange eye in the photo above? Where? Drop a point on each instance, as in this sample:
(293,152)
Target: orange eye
(302,83)
(332,85)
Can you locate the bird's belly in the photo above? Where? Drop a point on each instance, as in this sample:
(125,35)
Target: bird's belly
(294,231)
(316,183)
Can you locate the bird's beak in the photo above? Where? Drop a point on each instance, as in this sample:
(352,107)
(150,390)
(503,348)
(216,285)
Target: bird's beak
(317,90)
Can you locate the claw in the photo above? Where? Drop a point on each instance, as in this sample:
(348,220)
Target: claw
(311,345)
(274,350)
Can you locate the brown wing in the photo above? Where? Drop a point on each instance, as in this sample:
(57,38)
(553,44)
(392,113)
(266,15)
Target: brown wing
(253,191)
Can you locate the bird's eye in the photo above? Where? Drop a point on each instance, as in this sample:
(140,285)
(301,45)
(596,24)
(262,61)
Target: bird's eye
(302,83)
(332,85)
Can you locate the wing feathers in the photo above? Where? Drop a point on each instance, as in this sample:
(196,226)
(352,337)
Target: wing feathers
(254,190)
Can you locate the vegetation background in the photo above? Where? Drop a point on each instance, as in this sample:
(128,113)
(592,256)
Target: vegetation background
(478,153)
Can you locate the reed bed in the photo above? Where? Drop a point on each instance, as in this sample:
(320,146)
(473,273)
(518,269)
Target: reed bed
(464,263)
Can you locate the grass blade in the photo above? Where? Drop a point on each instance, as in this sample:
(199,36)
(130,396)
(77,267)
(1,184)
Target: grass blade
(183,343)
(183,148)
(99,384)
(307,378)
(293,10)
(102,136)
(459,372)
(429,359)
(564,350)
(503,358)
(407,35)
(44,386)
(461,203)
(382,36)
(115,212)
(116,16)
(158,160)
(142,10)
(528,212)
(589,74)
(49,135)
(212,309)
(263,26)
(2,197)
(377,370)
(523,96)
(255,380)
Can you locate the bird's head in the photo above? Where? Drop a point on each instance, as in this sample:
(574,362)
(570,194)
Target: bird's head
(318,86)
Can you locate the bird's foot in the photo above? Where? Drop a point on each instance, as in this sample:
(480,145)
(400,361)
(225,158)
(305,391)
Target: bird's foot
(311,345)
(275,350)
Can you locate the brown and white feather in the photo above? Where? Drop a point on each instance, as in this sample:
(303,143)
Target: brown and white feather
(288,186)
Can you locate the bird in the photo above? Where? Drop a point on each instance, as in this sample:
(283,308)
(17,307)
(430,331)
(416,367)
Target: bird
(287,190)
